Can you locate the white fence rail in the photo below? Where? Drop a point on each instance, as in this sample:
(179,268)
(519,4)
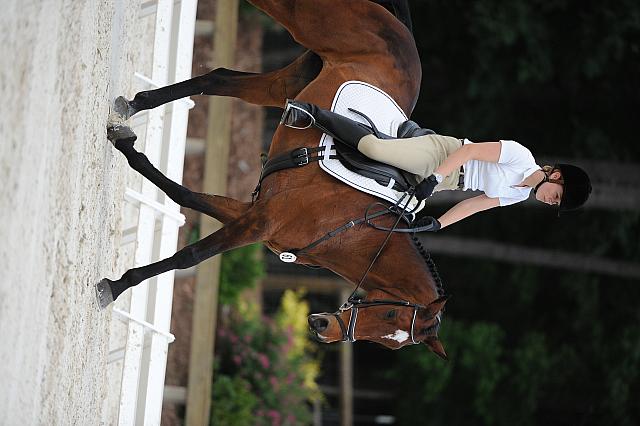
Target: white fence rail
(144,355)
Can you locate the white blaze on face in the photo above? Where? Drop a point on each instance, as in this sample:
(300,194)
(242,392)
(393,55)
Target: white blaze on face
(399,336)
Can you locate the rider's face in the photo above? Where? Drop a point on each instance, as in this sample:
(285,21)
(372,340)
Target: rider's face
(549,192)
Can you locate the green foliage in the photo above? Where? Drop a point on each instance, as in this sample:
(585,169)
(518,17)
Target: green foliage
(557,351)
(249,12)
(273,359)
(486,380)
(475,352)
(531,368)
(233,401)
(240,269)
(292,318)
(624,394)
(193,234)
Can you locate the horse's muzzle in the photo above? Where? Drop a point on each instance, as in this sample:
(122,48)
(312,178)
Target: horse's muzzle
(318,322)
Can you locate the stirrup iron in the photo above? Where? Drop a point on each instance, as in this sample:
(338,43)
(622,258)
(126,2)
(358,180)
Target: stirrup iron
(291,118)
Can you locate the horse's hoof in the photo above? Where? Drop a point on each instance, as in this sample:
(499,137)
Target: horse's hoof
(120,132)
(104,296)
(123,108)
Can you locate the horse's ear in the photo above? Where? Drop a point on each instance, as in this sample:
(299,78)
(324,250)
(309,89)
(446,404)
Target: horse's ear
(434,307)
(436,347)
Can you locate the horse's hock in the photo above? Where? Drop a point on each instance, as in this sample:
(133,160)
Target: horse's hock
(62,62)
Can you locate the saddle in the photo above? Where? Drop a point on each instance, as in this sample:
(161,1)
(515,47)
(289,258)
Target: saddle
(362,102)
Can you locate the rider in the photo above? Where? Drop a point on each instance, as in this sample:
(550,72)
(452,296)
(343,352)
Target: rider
(505,171)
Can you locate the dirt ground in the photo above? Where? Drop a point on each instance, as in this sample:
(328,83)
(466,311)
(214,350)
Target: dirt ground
(61,61)
(61,198)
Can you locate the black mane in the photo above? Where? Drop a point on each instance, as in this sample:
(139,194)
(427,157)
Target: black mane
(430,263)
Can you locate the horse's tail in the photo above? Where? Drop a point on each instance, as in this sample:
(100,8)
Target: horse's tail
(399,9)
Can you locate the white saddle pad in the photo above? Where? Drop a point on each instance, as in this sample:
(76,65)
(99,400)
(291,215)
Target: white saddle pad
(385,114)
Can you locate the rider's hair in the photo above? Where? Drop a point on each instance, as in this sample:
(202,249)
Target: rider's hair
(549,169)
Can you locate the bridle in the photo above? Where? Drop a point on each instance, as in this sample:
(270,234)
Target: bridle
(354,305)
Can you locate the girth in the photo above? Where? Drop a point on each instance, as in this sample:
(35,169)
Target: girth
(298,157)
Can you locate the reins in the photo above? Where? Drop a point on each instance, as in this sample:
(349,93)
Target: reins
(351,298)
(292,255)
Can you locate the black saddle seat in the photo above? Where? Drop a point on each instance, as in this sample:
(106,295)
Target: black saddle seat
(380,172)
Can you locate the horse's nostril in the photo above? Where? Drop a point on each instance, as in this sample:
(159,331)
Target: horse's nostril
(319,324)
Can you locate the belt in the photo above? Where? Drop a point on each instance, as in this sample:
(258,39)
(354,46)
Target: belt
(461,178)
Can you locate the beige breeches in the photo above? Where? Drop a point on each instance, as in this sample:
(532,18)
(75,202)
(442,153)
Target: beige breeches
(420,155)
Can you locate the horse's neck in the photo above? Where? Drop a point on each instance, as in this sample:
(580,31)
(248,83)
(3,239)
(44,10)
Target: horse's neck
(408,277)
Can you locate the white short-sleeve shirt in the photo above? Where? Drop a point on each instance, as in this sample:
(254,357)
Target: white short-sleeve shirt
(500,180)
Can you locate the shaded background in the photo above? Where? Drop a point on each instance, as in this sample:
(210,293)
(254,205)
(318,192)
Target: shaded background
(528,343)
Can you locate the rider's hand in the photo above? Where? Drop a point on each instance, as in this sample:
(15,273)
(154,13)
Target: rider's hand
(425,188)
(428,220)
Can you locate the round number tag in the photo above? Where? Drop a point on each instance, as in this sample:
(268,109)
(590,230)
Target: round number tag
(287,257)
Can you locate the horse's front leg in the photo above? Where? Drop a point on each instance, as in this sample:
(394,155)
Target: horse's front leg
(267,89)
(250,228)
(222,208)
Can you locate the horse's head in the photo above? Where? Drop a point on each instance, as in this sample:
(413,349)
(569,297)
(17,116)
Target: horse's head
(391,323)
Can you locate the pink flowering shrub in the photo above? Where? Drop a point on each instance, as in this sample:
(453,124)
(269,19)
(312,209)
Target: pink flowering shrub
(272,361)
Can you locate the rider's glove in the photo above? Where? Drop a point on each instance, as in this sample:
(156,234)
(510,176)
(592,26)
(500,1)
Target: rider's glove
(428,220)
(425,188)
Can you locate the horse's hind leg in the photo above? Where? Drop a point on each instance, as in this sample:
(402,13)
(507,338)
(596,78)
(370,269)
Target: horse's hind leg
(357,39)
(222,208)
(267,89)
(242,231)
(352,28)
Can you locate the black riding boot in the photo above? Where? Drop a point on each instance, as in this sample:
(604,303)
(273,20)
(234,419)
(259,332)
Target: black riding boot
(301,115)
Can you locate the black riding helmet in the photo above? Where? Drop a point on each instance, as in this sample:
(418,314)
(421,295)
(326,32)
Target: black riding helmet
(576,187)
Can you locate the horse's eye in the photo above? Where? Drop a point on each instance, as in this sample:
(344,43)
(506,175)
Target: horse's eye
(391,314)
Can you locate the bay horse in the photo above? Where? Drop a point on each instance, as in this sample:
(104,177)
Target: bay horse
(370,41)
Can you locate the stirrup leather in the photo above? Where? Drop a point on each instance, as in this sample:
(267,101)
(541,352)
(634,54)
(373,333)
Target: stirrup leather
(291,117)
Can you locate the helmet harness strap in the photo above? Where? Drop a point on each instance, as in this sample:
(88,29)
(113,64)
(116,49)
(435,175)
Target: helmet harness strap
(546,179)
